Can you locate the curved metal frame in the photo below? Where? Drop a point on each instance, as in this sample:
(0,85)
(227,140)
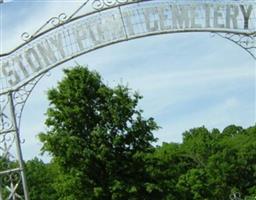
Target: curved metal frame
(246,42)
(63,19)
(238,37)
(12,101)
(12,178)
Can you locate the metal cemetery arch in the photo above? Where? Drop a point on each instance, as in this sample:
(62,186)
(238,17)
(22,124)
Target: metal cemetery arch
(96,24)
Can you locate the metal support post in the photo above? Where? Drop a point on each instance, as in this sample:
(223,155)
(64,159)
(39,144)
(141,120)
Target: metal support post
(18,147)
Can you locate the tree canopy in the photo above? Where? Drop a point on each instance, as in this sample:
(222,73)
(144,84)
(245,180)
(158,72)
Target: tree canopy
(98,137)
(103,148)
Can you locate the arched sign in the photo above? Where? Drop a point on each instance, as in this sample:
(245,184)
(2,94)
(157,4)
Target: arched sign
(120,22)
(103,23)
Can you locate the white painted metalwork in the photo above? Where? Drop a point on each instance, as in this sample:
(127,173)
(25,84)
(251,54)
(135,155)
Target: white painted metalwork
(238,196)
(12,174)
(96,24)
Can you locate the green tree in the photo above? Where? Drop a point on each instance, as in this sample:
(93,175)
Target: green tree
(40,178)
(99,138)
(207,164)
(233,167)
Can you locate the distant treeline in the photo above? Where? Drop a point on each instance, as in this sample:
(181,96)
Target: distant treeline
(207,165)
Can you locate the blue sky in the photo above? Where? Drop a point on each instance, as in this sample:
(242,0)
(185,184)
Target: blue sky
(187,80)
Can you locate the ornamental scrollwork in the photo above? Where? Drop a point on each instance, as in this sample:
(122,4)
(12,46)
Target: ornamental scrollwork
(21,95)
(54,22)
(247,42)
(6,143)
(26,36)
(238,196)
(5,121)
(100,4)
(12,181)
(63,18)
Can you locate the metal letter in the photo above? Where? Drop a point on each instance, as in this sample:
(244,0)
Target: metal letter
(147,15)
(47,53)
(180,16)
(85,32)
(218,15)
(194,16)
(32,57)
(80,35)
(58,44)
(232,17)
(111,29)
(12,74)
(98,31)
(207,8)
(163,19)
(246,13)
(128,22)
(18,60)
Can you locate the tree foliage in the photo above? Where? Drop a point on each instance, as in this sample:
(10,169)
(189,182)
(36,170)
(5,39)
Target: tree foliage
(211,164)
(102,148)
(40,178)
(98,137)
